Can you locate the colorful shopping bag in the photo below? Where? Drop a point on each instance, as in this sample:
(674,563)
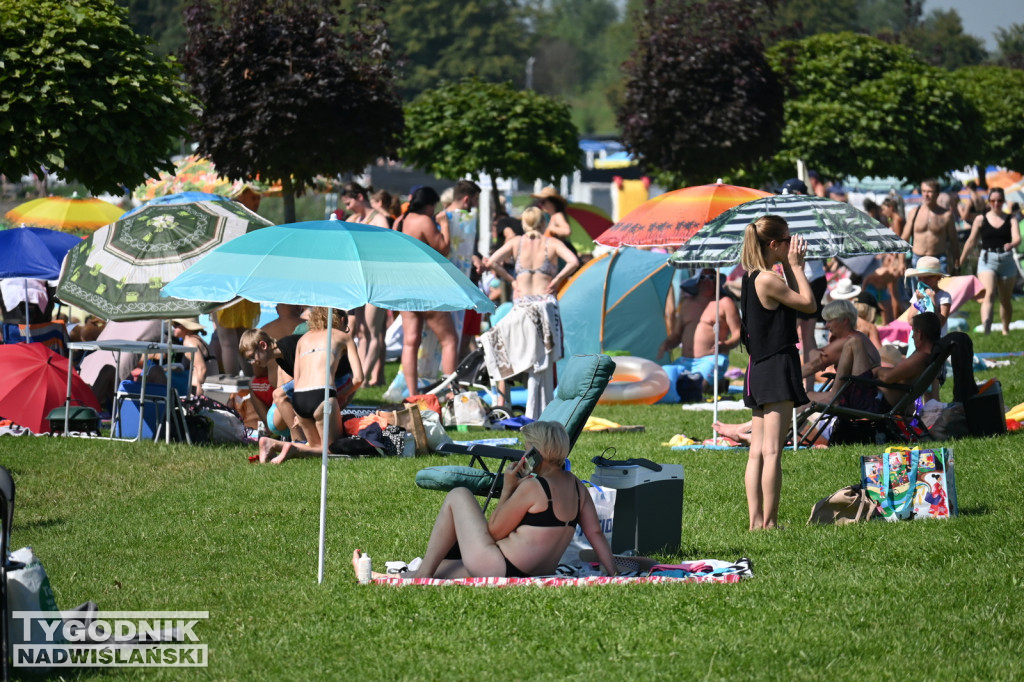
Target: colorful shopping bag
(935,487)
(890,480)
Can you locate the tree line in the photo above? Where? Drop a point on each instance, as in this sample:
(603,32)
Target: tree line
(290,89)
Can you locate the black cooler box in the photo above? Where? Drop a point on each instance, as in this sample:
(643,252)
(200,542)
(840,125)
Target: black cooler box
(986,413)
(648,506)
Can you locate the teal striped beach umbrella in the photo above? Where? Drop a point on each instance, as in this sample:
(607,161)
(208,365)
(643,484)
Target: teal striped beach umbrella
(831,228)
(330,263)
(334,264)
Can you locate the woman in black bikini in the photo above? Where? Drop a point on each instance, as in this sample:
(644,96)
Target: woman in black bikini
(530,527)
(773,385)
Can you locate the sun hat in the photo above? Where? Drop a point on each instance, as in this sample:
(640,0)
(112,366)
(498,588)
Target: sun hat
(845,290)
(190,323)
(794,186)
(926,265)
(549,192)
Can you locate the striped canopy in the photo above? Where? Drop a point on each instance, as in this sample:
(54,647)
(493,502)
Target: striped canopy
(831,228)
(330,263)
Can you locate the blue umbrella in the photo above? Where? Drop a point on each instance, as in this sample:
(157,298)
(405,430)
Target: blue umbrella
(33,253)
(179,198)
(333,264)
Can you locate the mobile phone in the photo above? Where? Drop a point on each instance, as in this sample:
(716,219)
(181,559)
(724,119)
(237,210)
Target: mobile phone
(533,458)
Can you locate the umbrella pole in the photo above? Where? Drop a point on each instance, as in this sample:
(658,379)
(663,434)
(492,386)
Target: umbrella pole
(718,298)
(28,327)
(327,435)
(170,373)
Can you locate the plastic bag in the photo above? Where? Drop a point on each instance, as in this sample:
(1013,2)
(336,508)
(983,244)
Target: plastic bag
(469,409)
(28,589)
(604,503)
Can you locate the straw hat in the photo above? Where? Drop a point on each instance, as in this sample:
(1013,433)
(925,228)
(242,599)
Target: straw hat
(549,192)
(845,290)
(190,323)
(926,265)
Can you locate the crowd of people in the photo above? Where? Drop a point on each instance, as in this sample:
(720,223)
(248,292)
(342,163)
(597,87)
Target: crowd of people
(774,313)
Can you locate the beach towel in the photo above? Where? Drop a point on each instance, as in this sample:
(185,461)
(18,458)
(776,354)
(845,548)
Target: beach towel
(701,571)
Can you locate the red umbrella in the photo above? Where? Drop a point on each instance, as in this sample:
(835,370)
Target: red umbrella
(591,218)
(672,218)
(35,382)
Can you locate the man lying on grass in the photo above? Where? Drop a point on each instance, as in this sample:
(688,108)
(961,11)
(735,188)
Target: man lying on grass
(526,534)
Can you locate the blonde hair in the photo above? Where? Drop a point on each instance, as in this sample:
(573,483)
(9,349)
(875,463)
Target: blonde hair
(318,319)
(865,312)
(250,340)
(532,219)
(756,238)
(550,438)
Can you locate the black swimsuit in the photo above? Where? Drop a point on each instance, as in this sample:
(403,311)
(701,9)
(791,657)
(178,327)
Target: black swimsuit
(544,519)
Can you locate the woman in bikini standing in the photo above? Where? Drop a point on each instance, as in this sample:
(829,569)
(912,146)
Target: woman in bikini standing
(999,235)
(536,281)
(773,385)
(369,320)
(530,527)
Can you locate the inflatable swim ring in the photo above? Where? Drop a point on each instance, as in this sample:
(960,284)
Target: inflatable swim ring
(636,381)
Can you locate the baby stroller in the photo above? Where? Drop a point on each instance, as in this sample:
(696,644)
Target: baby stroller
(471,375)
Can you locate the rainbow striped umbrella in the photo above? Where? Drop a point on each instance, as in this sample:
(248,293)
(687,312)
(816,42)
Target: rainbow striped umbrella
(670,219)
(62,213)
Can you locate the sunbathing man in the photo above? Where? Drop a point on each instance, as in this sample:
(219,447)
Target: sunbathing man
(693,329)
(310,370)
(849,350)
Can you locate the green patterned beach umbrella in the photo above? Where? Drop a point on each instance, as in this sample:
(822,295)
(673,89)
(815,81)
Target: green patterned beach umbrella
(118,271)
(831,228)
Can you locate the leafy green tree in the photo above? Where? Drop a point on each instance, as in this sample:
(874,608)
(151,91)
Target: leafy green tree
(82,95)
(440,40)
(161,20)
(286,95)
(941,41)
(801,18)
(1011,45)
(856,105)
(998,94)
(472,127)
(700,98)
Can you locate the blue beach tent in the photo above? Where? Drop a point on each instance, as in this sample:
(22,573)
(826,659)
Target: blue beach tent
(616,302)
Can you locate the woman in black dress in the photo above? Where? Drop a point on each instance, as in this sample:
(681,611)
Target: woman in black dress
(769,303)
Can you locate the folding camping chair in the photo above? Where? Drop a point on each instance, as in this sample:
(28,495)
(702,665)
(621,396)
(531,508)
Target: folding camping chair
(898,421)
(579,387)
(6,520)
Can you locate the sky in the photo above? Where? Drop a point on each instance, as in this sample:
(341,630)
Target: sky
(982,17)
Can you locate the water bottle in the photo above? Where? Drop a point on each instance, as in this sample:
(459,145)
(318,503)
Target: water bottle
(365,572)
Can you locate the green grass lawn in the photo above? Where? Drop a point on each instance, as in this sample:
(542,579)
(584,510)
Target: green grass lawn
(171,527)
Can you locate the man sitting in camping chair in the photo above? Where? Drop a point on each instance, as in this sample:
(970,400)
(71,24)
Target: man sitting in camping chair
(926,331)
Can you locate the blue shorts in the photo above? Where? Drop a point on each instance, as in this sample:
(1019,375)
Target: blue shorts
(271,411)
(705,366)
(943,262)
(1003,263)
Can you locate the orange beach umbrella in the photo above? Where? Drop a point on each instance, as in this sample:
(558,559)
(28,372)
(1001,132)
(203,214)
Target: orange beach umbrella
(672,218)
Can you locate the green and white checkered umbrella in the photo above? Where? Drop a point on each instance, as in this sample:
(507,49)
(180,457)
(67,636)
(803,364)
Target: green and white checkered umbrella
(831,228)
(118,271)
